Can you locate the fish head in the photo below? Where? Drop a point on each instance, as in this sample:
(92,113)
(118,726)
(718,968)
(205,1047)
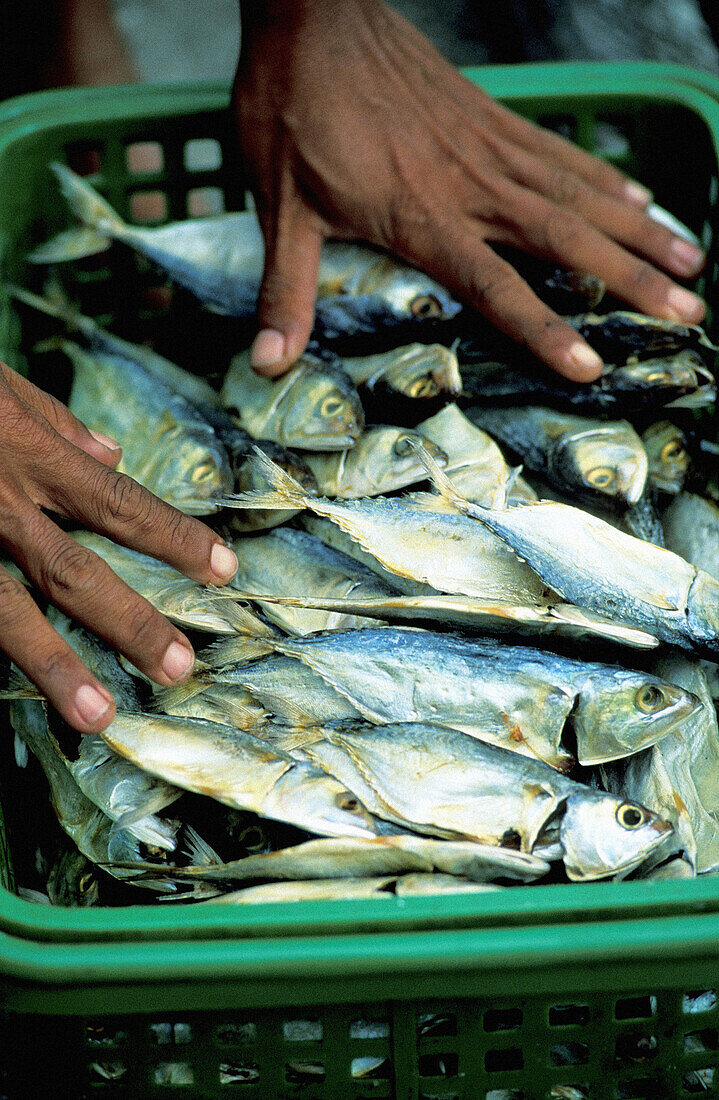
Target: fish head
(385,458)
(188,472)
(620,713)
(609,461)
(423,371)
(410,292)
(666,447)
(323,411)
(602,835)
(317,801)
(678,376)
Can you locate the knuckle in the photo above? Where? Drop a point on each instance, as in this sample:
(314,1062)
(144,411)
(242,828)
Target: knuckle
(647,279)
(562,233)
(565,188)
(121,499)
(142,625)
(491,284)
(55,665)
(68,568)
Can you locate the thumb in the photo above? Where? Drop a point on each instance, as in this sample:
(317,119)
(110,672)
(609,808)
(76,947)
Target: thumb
(286,302)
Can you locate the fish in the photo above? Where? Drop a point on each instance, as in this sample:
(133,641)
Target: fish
(381,461)
(90,829)
(478,565)
(291,562)
(313,406)
(237,769)
(518,697)
(191,387)
(691,529)
(621,335)
(185,602)
(167,445)
(467,612)
(220,259)
(677,778)
(355,857)
(669,461)
(682,378)
(455,784)
(563,290)
(420,372)
(593,565)
(72,881)
(643,521)
(583,456)
(475,462)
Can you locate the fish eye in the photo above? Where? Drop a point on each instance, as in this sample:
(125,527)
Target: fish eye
(630,816)
(422,387)
(203,471)
(658,376)
(85,882)
(348,802)
(426,305)
(672,451)
(403,446)
(332,405)
(650,698)
(602,477)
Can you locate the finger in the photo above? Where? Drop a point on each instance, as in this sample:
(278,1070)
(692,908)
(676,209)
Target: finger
(562,235)
(36,648)
(626,224)
(467,266)
(113,504)
(63,421)
(285,307)
(84,587)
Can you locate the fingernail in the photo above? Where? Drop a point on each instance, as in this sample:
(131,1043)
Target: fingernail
(585,357)
(636,193)
(223,562)
(267,349)
(91,704)
(105,440)
(686,256)
(685,305)
(178,661)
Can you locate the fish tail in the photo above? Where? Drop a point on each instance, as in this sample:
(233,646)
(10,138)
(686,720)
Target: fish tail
(232,604)
(169,697)
(285,492)
(55,305)
(100,222)
(19,687)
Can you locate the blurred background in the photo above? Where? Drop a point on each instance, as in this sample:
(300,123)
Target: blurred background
(52,43)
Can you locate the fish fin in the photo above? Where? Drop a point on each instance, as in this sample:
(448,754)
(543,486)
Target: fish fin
(285,492)
(197,850)
(54,304)
(71,244)
(180,693)
(239,616)
(22,753)
(86,203)
(438,477)
(20,687)
(514,474)
(238,650)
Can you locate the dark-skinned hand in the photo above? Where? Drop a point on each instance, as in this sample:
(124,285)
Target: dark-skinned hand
(49,461)
(352,125)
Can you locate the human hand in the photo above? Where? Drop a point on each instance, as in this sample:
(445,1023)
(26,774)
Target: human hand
(351,125)
(50,460)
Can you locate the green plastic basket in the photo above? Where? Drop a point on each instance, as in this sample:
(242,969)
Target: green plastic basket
(610,989)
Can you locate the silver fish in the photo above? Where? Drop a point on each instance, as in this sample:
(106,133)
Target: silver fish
(382,460)
(691,529)
(220,259)
(456,784)
(513,696)
(478,565)
(313,406)
(584,456)
(593,565)
(290,562)
(185,602)
(475,462)
(355,857)
(239,770)
(418,371)
(666,447)
(168,446)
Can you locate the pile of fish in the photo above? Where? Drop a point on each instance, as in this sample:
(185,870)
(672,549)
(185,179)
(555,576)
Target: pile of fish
(474,634)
